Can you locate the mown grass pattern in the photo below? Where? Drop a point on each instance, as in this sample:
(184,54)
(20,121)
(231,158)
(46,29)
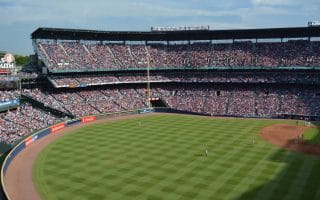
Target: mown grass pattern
(163,159)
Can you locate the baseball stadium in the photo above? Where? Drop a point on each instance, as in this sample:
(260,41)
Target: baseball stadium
(170,113)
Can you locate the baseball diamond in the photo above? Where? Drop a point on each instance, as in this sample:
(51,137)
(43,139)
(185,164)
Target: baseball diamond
(161,157)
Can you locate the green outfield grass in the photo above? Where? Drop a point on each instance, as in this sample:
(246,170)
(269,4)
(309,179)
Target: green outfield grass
(312,135)
(164,159)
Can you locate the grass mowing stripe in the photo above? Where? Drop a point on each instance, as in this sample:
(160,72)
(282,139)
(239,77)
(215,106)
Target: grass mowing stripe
(297,183)
(231,172)
(249,178)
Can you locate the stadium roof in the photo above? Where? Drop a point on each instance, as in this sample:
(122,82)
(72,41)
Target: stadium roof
(263,33)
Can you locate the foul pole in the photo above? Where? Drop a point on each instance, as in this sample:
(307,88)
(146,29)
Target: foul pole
(148,83)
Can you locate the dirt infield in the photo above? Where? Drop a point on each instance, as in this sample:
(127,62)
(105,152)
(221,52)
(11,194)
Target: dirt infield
(18,179)
(286,136)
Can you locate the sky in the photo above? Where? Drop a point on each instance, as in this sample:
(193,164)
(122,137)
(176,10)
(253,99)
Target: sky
(19,18)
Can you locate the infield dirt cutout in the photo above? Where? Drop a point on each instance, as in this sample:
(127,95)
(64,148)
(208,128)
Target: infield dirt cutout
(286,136)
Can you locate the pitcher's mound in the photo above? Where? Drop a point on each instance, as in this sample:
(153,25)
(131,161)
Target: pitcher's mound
(287,136)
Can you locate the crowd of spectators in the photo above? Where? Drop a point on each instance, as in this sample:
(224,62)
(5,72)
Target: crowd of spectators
(74,103)
(74,55)
(248,101)
(107,79)
(14,124)
(13,80)
(237,101)
(234,101)
(218,100)
(7,95)
(44,97)
(89,102)
(10,132)
(209,77)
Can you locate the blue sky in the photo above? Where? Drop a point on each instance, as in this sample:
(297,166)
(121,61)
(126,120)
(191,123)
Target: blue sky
(19,18)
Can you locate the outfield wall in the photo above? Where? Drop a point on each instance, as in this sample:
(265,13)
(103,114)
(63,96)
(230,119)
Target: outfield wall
(53,129)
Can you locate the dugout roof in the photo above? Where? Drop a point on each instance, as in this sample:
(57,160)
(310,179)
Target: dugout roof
(262,33)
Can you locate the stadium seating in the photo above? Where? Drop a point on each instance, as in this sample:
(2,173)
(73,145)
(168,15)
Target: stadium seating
(237,101)
(15,124)
(78,56)
(200,77)
(218,93)
(89,102)
(218,100)
(222,100)
(6,95)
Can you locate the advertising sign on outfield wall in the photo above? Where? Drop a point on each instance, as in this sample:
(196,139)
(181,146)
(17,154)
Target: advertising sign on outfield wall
(145,110)
(86,119)
(58,127)
(30,139)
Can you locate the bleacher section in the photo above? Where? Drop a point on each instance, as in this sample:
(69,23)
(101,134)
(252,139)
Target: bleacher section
(72,56)
(204,76)
(15,124)
(227,100)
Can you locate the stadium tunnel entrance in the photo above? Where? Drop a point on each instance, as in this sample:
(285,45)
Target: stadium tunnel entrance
(158,103)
